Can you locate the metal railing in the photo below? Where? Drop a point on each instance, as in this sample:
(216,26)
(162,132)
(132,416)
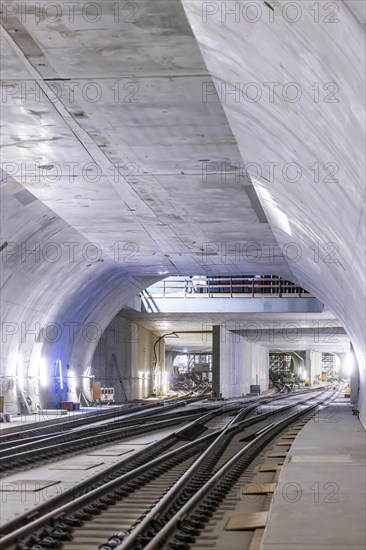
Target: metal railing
(223,287)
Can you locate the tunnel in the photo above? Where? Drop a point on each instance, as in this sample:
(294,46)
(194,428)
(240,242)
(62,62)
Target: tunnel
(159,140)
(87,223)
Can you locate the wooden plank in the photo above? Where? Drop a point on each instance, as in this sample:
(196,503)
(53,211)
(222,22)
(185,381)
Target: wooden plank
(256,542)
(259,488)
(269,467)
(247,522)
(277,475)
(284,443)
(277,454)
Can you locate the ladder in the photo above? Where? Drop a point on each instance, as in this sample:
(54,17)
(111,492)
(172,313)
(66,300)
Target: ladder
(119,374)
(26,401)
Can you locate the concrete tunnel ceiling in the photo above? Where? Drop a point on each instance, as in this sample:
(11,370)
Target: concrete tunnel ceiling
(148,176)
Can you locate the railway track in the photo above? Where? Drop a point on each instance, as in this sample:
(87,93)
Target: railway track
(81,420)
(55,425)
(31,454)
(121,512)
(71,439)
(27,453)
(176,527)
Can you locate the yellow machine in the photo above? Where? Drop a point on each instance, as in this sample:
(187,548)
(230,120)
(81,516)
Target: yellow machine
(96,391)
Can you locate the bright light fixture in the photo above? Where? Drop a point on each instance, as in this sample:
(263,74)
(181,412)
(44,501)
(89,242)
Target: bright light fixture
(20,374)
(43,378)
(349,364)
(58,364)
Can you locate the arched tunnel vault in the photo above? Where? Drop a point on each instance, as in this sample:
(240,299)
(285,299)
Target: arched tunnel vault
(56,299)
(181,203)
(318,208)
(53,146)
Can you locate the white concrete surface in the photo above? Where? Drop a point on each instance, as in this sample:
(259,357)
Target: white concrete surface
(320,217)
(146,219)
(236,305)
(320,503)
(133,346)
(313,364)
(181,201)
(67,472)
(242,363)
(285,331)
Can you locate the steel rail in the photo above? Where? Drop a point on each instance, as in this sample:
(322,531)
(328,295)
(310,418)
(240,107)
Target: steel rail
(46,453)
(61,443)
(235,426)
(75,435)
(15,528)
(12,536)
(13,531)
(247,453)
(83,419)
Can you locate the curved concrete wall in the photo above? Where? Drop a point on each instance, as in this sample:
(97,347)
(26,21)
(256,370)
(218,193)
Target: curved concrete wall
(317,221)
(314,119)
(55,303)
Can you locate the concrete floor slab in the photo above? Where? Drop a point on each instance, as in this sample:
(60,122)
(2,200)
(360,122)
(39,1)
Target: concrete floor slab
(27,485)
(15,500)
(321,496)
(23,422)
(76,466)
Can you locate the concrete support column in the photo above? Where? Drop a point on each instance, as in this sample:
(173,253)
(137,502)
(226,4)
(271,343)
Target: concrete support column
(355,377)
(237,364)
(216,360)
(169,366)
(355,385)
(313,364)
(161,376)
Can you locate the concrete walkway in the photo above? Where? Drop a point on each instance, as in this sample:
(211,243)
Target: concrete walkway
(320,500)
